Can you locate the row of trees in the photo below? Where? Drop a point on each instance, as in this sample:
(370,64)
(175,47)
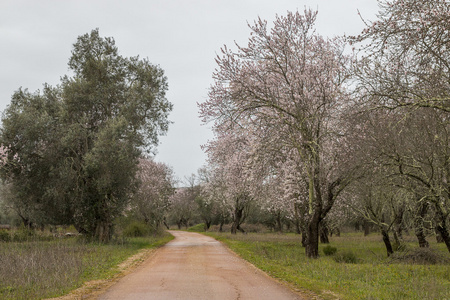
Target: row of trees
(71,153)
(309,129)
(307,134)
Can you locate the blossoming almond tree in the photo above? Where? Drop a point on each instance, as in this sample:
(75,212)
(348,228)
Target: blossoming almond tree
(151,201)
(289,80)
(229,155)
(404,55)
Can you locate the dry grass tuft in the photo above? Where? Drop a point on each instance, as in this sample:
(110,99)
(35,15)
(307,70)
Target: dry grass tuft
(30,269)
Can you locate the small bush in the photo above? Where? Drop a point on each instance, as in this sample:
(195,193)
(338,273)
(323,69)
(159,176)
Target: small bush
(4,236)
(329,250)
(347,257)
(422,256)
(24,234)
(136,229)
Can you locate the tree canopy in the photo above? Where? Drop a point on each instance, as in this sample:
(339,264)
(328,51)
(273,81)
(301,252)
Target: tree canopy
(73,150)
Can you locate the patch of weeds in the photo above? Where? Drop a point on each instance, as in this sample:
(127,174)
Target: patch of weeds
(420,256)
(24,234)
(4,236)
(347,257)
(329,250)
(136,229)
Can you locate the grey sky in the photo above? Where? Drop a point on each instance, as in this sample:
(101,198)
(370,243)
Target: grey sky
(182,36)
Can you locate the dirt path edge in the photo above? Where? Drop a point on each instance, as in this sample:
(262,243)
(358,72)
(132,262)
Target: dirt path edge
(92,289)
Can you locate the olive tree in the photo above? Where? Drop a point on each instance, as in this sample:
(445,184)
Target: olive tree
(76,147)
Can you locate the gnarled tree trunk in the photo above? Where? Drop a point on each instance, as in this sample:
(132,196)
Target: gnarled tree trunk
(387,242)
(421,211)
(441,227)
(323,232)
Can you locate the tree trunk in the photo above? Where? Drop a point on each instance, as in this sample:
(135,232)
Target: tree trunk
(233,228)
(241,229)
(186,223)
(338,231)
(297,227)
(207,225)
(165,223)
(366,228)
(398,226)
(26,221)
(80,229)
(288,226)
(238,212)
(279,225)
(421,211)
(103,232)
(441,227)
(387,242)
(297,222)
(312,241)
(221,225)
(304,239)
(323,231)
(439,238)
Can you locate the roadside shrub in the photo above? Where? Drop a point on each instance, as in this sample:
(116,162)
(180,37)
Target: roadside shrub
(136,229)
(4,236)
(329,250)
(347,257)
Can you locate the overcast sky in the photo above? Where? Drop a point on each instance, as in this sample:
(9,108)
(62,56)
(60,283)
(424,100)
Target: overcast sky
(181,36)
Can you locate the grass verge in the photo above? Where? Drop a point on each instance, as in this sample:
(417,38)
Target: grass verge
(371,276)
(45,269)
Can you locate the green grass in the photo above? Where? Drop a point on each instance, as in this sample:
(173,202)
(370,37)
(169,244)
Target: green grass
(197,228)
(42,269)
(374,276)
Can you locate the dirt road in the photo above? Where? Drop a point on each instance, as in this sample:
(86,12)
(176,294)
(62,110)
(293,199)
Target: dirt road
(194,266)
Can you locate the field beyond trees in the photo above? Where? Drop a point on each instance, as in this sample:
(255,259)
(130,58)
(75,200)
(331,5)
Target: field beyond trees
(358,270)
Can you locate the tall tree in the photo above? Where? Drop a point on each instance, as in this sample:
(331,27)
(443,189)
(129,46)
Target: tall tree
(291,80)
(91,130)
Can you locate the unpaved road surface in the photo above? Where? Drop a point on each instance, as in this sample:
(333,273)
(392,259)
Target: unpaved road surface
(194,266)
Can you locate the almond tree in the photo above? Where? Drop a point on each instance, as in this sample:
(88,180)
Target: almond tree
(151,201)
(231,182)
(288,80)
(182,206)
(213,196)
(403,55)
(404,65)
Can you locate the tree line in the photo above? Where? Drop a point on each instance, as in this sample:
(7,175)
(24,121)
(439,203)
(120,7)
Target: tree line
(306,127)
(310,131)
